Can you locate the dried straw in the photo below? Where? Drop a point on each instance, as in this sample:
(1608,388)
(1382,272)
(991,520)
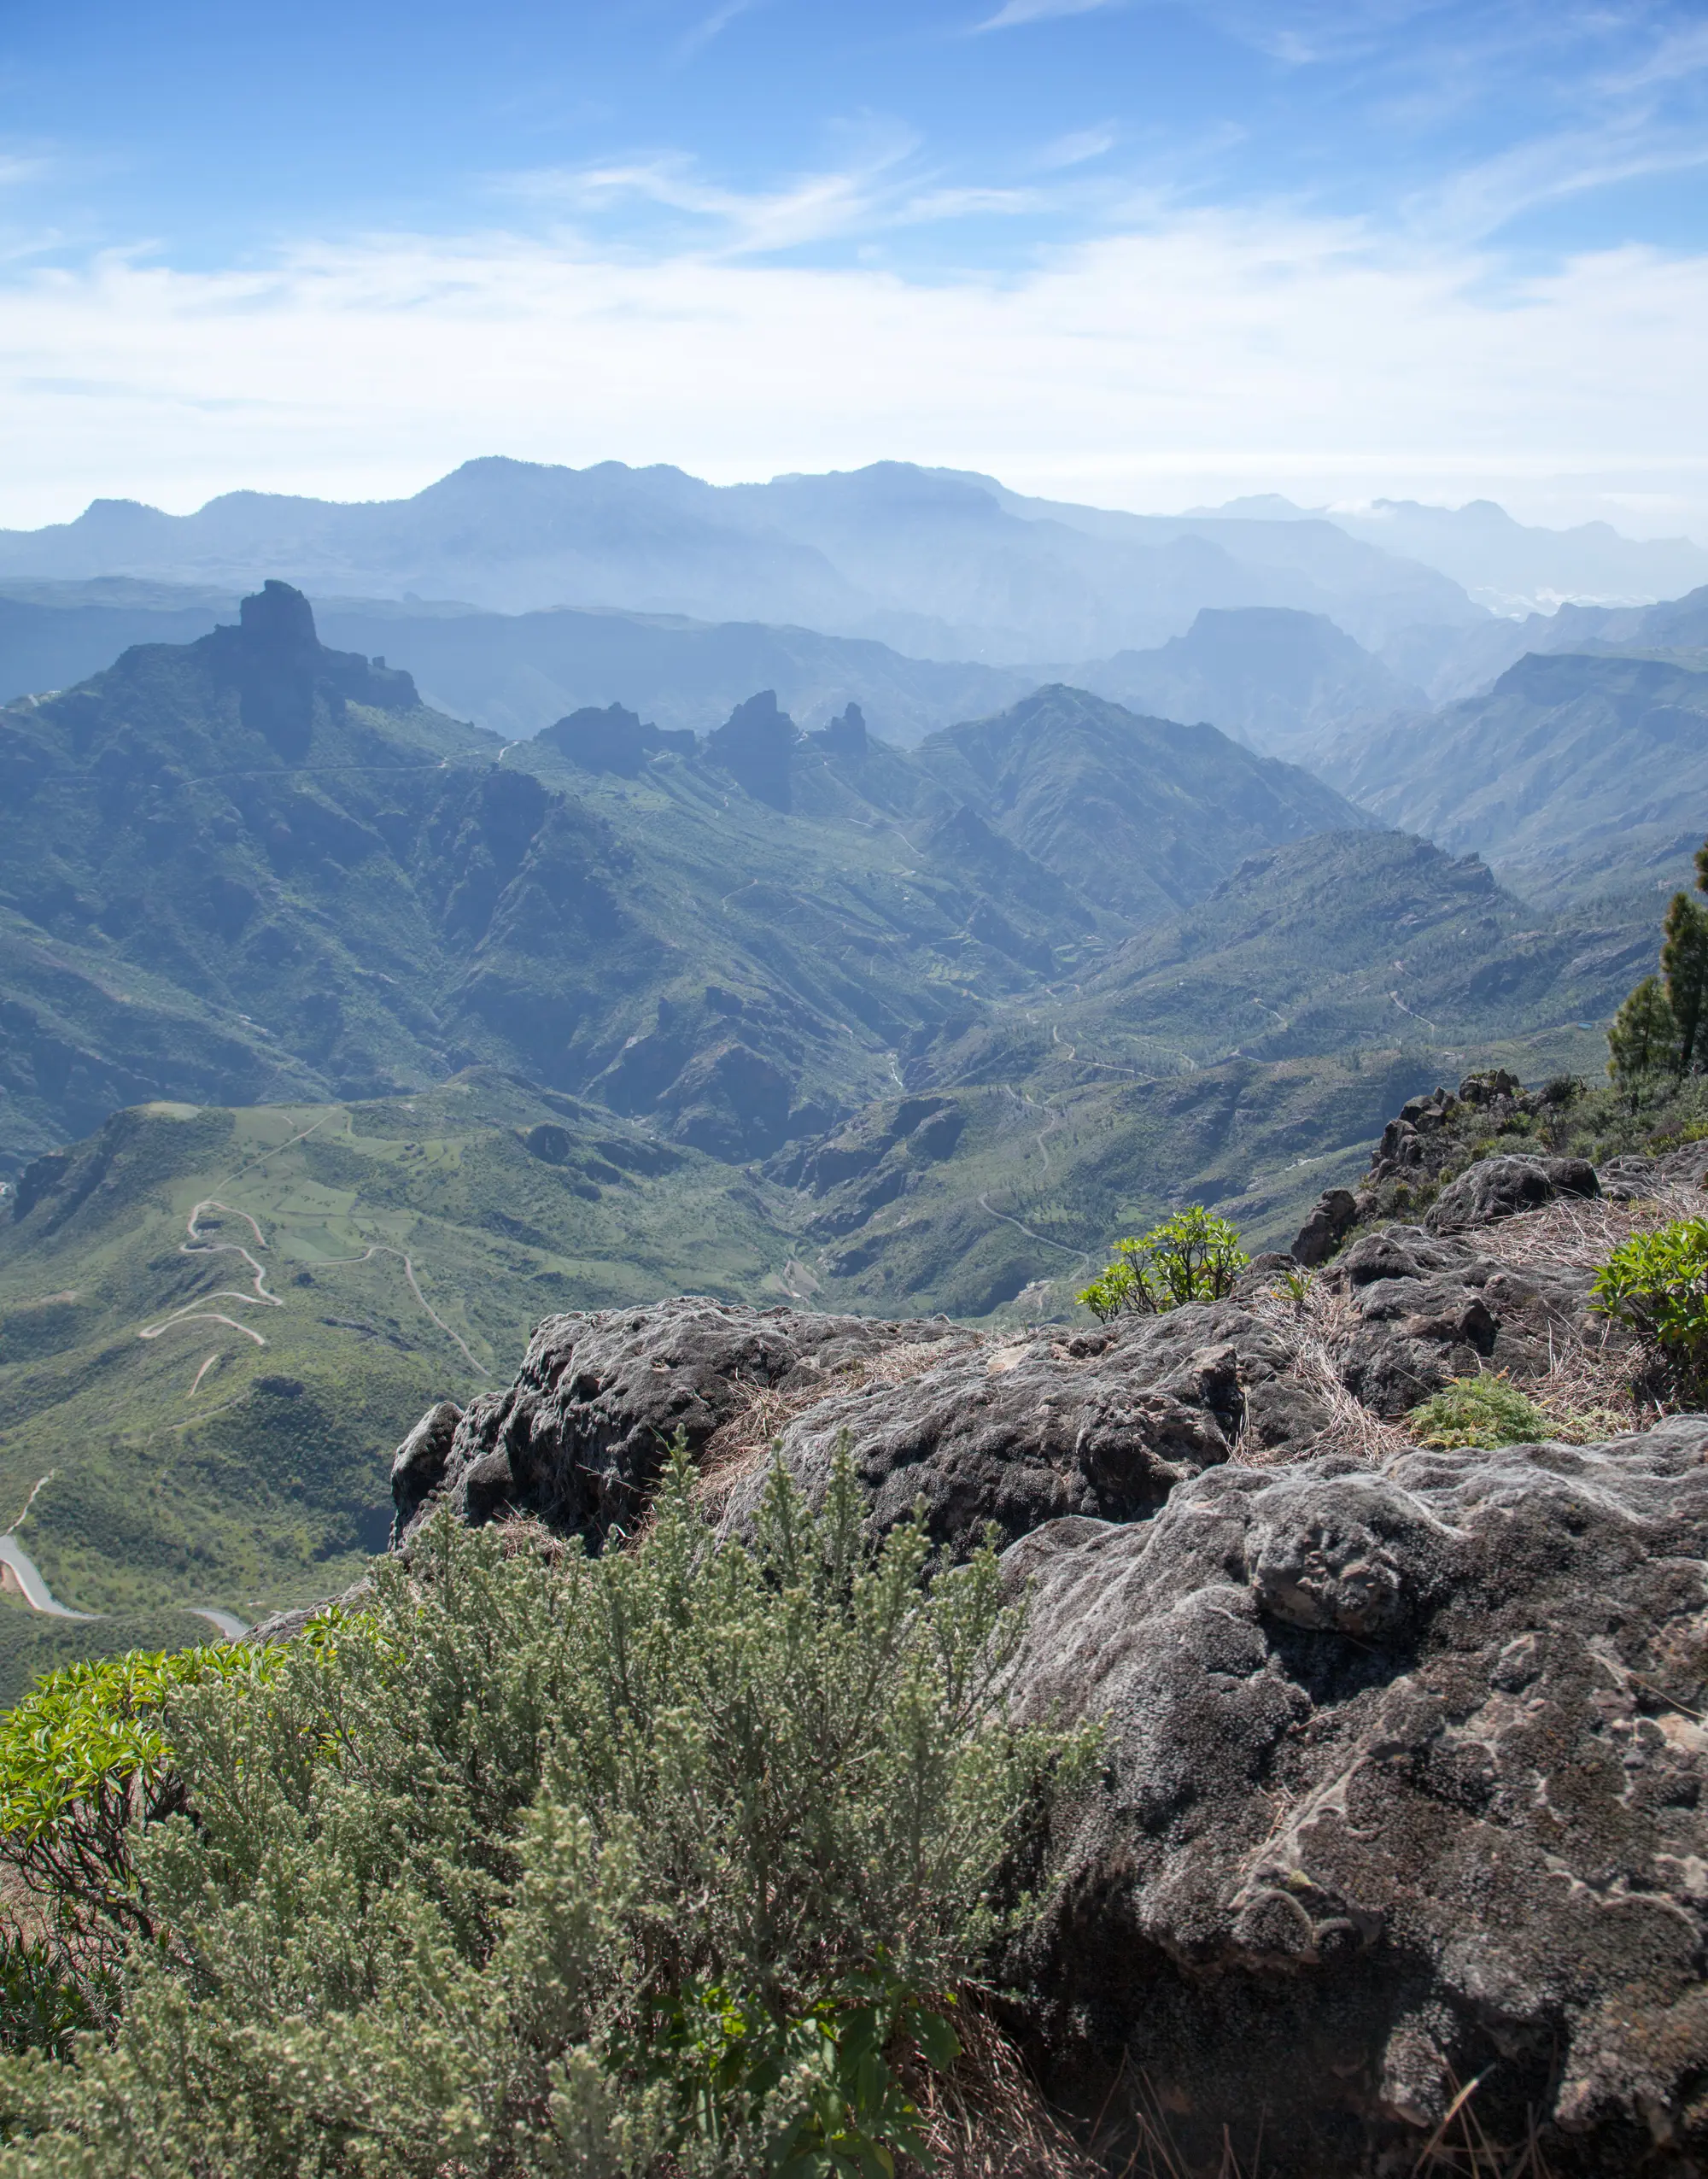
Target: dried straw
(986,2119)
(1587,1391)
(1579,1233)
(1318,1328)
(740,1446)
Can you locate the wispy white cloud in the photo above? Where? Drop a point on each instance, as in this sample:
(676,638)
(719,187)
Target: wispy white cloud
(1076,148)
(1678,54)
(713,26)
(1194,354)
(19,168)
(1015,12)
(882,190)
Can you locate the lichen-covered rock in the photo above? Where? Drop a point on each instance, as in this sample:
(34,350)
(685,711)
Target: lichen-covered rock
(417,1467)
(580,1436)
(1405,1789)
(1499,1187)
(1104,1423)
(1332,1216)
(1433,1307)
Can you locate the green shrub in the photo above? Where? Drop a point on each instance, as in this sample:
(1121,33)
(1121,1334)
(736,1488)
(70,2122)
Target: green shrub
(527,1868)
(1657,1284)
(85,1764)
(1193,1256)
(1478,1411)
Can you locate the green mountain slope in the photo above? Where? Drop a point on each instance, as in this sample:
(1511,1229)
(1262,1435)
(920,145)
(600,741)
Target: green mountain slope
(251,867)
(214,1324)
(1573,772)
(1141,814)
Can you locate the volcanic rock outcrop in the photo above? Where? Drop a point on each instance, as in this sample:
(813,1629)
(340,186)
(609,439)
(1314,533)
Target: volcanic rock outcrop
(1403,1796)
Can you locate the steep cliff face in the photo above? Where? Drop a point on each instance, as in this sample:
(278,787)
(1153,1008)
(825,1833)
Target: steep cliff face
(1405,1762)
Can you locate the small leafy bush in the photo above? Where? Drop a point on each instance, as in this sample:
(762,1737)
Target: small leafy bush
(1478,1411)
(1193,1256)
(84,1765)
(1657,1284)
(680,1853)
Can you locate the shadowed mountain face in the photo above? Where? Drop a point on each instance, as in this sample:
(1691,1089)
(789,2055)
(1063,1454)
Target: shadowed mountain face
(1574,773)
(940,565)
(254,867)
(1276,679)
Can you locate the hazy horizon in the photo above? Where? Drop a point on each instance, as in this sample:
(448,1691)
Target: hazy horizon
(1140,256)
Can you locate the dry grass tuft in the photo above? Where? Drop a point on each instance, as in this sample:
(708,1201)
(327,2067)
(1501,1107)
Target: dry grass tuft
(1318,1327)
(739,1447)
(1580,1233)
(1589,1390)
(987,2119)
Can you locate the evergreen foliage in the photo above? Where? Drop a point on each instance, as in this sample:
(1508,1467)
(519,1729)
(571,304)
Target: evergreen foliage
(563,1869)
(1644,1040)
(1193,1256)
(1684,965)
(1660,1029)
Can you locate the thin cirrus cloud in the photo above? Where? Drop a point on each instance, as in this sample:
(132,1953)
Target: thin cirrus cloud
(712,25)
(1077,148)
(885,190)
(1014,13)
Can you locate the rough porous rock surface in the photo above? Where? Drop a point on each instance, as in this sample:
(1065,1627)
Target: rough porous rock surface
(1433,1308)
(1501,1187)
(1331,1218)
(1405,1765)
(1405,1786)
(1105,1422)
(580,1436)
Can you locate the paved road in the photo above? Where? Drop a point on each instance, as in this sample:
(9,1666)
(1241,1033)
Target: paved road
(41,1598)
(36,1593)
(228,1623)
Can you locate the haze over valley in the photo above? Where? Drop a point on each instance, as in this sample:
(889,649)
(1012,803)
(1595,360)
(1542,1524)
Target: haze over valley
(853,1090)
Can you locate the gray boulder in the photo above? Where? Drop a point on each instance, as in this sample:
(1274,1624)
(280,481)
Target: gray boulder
(1102,1423)
(1404,1790)
(417,1467)
(1499,1187)
(580,1436)
(1430,1308)
(1332,1216)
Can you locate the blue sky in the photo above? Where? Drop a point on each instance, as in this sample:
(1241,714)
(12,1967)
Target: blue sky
(1144,254)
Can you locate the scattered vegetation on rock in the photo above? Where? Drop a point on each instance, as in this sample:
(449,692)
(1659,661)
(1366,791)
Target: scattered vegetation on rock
(1657,1283)
(1193,1256)
(1484,1411)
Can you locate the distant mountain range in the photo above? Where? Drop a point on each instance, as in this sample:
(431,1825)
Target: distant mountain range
(250,868)
(939,565)
(1281,680)
(1511,567)
(1576,773)
(447,1031)
(1270,675)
